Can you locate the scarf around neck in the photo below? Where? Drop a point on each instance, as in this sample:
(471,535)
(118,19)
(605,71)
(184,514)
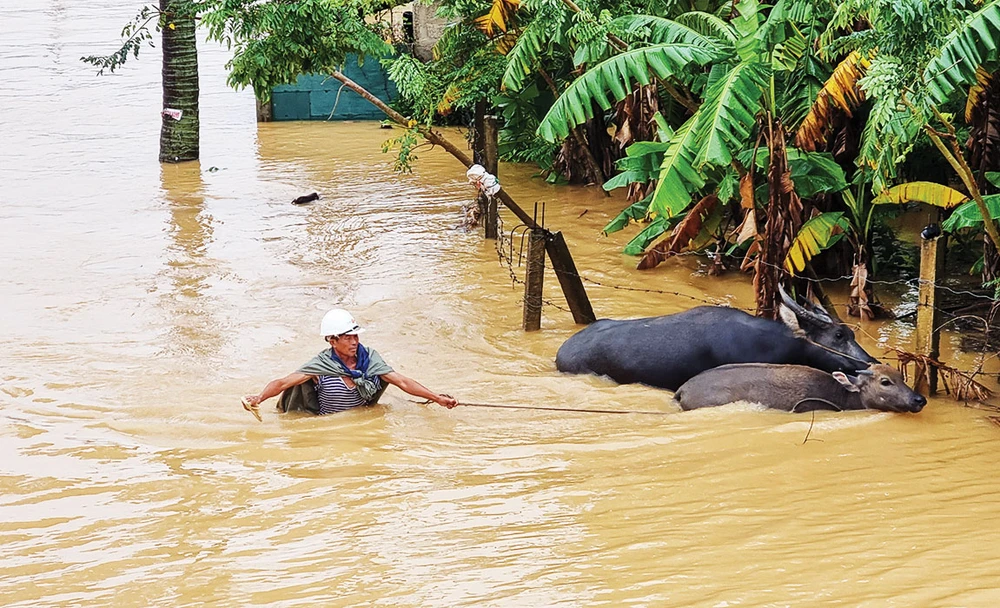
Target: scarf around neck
(370,367)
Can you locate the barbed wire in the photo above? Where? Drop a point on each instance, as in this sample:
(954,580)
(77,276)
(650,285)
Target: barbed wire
(505,255)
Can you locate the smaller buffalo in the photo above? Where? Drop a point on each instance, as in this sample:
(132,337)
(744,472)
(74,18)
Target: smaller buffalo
(796,388)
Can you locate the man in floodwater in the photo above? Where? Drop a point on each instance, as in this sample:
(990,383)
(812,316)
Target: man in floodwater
(342,377)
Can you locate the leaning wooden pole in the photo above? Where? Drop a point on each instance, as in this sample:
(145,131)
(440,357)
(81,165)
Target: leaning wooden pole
(565,271)
(435,138)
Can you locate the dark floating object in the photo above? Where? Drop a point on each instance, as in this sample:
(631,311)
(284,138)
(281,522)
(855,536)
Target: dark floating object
(302,200)
(930,231)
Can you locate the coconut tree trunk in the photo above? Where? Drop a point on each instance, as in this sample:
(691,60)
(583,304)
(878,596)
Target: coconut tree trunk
(179,131)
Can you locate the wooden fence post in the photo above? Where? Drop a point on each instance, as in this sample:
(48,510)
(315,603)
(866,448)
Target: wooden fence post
(932,253)
(533,278)
(479,151)
(492,165)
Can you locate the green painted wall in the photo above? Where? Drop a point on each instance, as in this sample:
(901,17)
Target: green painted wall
(313,96)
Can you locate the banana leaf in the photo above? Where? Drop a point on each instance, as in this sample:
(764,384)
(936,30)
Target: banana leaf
(649,234)
(612,80)
(817,235)
(967,215)
(971,45)
(635,212)
(922,192)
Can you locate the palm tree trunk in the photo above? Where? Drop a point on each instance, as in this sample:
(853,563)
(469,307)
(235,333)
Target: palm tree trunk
(179,131)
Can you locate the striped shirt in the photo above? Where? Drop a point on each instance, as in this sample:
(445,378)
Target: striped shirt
(334,396)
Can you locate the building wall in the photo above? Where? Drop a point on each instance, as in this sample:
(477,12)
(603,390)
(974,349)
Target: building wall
(427,29)
(321,97)
(315,96)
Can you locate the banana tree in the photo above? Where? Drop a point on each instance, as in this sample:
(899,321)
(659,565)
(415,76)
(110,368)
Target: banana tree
(920,58)
(824,230)
(737,67)
(561,39)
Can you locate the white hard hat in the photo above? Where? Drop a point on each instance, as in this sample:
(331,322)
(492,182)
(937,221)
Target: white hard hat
(339,322)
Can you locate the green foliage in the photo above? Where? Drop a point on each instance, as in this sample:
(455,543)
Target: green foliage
(417,84)
(406,145)
(967,214)
(649,234)
(922,52)
(754,54)
(801,88)
(972,44)
(636,212)
(521,113)
(276,40)
(590,37)
(542,36)
(678,179)
(658,30)
(135,36)
(641,164)
(815,173)
(710,26)
(728,114)
(615,76)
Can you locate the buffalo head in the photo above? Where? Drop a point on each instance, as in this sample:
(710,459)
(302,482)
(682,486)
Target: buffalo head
(814,324)
(882,388)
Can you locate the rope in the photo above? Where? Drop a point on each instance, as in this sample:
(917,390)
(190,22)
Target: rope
(551,409)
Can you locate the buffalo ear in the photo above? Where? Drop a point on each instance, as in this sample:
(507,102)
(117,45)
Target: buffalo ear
(789,318)
(846,382)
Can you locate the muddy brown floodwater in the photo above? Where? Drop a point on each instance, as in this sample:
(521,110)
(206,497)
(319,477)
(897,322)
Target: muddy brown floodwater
(139,301)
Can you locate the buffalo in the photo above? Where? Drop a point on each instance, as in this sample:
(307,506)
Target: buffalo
(796,388)
(668,351)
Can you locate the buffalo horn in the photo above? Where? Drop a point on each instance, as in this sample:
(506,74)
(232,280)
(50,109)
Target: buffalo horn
(799,310)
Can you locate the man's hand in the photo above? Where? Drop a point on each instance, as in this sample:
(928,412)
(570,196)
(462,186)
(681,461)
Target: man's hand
(447,401)
(250,404)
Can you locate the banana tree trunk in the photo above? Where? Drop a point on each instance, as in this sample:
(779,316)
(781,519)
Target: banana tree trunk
(179,130)
(784,219)
(983,116)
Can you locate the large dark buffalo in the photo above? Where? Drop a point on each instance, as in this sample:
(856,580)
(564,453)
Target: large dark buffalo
(668,351)
(795,388)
